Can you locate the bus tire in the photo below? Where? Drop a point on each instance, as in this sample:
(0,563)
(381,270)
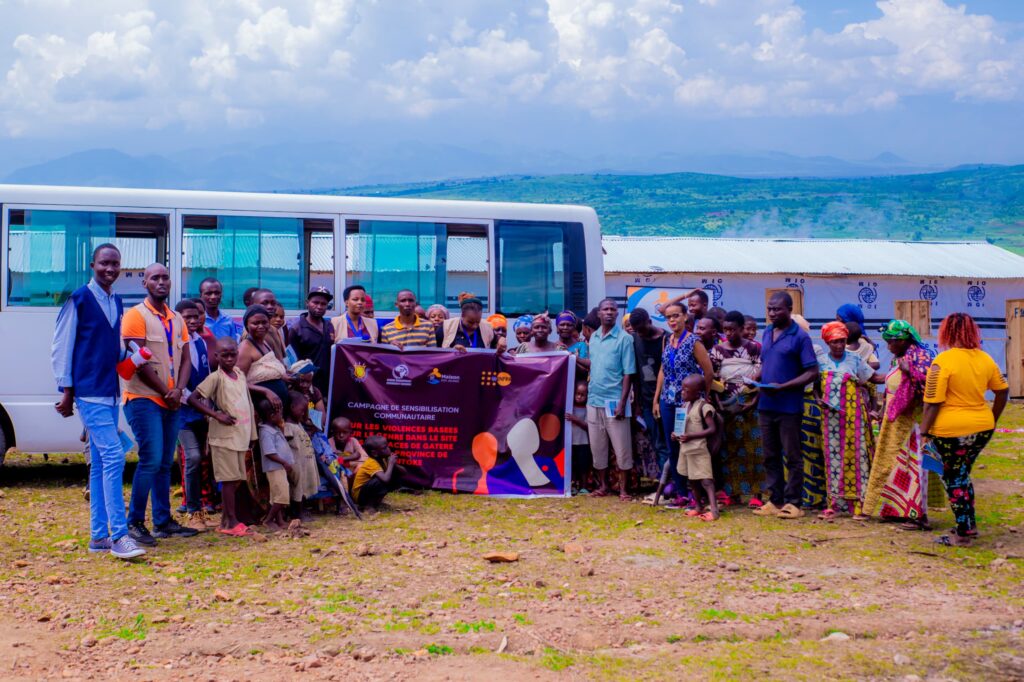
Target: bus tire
(6,435)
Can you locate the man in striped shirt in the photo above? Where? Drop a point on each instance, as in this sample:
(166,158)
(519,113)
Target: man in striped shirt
(408,330)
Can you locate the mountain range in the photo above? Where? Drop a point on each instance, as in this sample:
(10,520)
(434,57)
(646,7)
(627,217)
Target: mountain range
(336,164)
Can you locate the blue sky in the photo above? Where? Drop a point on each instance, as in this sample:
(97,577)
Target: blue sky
(932,81)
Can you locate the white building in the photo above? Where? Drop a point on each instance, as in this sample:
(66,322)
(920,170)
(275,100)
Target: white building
(919,281)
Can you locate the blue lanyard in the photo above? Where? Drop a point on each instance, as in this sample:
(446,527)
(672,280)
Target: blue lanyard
(473,339)
(359,328)
(168,330)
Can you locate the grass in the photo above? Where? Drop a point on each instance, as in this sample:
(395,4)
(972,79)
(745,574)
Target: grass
(659,605)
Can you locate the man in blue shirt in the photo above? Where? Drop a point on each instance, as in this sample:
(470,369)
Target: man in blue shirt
(84,356)
(612,366)
(788,364)
(219,324)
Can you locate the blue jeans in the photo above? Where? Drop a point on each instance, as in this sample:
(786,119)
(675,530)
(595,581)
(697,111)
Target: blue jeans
(193,442)
(156,432)
(657,435)
(668,423)
(106,471)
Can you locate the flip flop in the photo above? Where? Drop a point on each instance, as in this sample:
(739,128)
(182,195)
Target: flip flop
(625,497)
(707,516)
(755,503)
(827,515)
(692,512)
(598,493)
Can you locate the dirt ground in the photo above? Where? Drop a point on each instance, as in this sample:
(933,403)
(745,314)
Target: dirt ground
(601,589)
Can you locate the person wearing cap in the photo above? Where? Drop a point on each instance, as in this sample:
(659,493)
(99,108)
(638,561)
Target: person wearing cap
(408,330)
(469,330)
(311,335)
(355,323)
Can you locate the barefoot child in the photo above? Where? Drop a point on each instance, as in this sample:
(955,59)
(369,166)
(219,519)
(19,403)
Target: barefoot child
(378,475)
(278,463)
(581,457)
(308,483)
(350,453)
(696,420)
(231,430)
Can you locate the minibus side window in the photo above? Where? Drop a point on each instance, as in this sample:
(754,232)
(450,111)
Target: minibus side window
(49,252)
(541,267)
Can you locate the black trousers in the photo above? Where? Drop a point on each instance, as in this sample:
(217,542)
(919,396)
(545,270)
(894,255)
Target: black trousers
(373,491)
(780,441)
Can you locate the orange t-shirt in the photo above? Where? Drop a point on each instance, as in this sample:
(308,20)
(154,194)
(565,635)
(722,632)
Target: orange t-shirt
(133,326)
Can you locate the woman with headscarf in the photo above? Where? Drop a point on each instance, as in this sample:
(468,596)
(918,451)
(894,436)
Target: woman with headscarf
(810,442)
(569,327)
(264,373)
(523,328)
(500,324)
(437,314)
(958,422)
(847,434)
(857,342)
(539,341)
(898,479)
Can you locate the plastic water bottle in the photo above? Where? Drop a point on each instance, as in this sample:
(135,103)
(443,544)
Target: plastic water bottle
(127,367)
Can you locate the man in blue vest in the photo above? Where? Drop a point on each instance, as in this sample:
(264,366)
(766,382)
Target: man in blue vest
(86,350)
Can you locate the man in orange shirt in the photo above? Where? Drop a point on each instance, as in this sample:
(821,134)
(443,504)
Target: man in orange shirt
(152,399)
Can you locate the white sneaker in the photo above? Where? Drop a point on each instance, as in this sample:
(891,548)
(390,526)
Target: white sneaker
(126,548)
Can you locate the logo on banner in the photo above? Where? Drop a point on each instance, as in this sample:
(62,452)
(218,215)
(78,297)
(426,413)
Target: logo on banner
(976,293)
(929,292)
(399,376)
(358,372)
(495,379)
(435,377)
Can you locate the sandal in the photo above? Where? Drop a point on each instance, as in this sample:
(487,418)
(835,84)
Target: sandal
(692,512)
(915,525)
(861,517)
(755,503)
(625,497)
(827,515)
(598,493)
(707,516)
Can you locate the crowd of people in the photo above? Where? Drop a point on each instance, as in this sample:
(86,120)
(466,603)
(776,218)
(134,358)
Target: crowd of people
(718,416)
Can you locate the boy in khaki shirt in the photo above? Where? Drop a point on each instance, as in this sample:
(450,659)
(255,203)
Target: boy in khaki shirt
(232,428)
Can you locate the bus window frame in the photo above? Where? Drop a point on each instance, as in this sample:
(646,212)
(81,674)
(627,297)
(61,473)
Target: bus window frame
(5,210)
(335,219)
(487,223)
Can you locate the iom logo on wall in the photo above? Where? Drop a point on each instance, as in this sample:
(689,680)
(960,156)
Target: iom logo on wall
(929,292)
(976,294)
(867,295)
(714,290)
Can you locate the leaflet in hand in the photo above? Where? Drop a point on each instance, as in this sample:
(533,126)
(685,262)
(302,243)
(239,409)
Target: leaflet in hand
(757,384)
(613,405)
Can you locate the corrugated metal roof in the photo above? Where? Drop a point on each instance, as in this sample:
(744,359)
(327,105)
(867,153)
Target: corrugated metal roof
(810,256)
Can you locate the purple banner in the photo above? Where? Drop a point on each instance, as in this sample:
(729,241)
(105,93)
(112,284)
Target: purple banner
(477,422)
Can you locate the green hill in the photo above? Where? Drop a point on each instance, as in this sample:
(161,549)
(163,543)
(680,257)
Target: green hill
(964,204)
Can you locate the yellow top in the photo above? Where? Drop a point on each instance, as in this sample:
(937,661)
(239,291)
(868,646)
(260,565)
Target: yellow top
(958,379)
(364,473)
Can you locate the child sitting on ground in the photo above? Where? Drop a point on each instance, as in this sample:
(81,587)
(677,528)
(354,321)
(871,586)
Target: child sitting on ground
(278,463)
(231,429)
(378,475)
(696,421)
(307,476)
(350,453)
(581,456)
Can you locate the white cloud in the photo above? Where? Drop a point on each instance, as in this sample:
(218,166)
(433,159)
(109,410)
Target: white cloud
(135,64)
